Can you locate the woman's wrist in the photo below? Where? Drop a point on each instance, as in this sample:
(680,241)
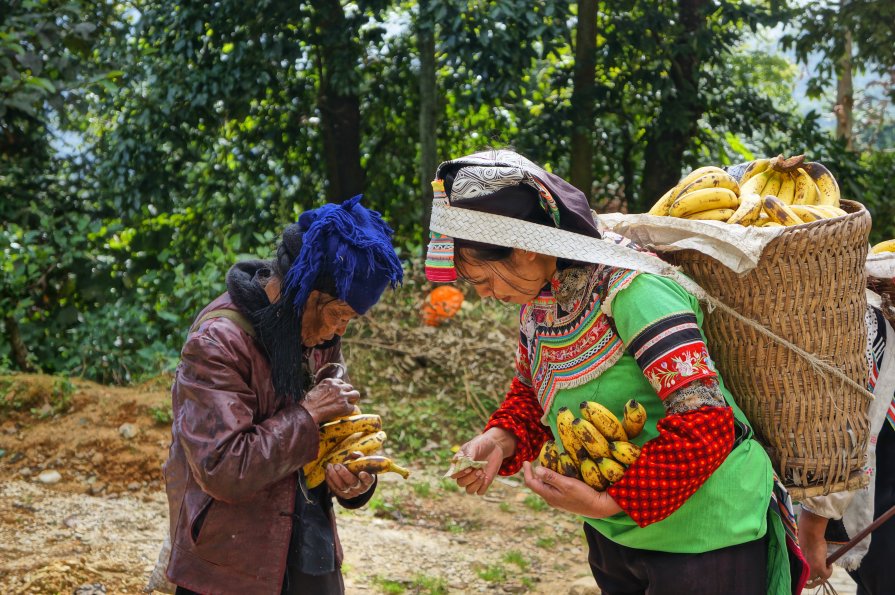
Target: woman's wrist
(504,439)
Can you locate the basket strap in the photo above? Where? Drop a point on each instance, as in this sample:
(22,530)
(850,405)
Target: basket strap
(240,320)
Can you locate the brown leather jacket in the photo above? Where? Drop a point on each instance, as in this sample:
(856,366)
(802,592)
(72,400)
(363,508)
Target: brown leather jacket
(232,469)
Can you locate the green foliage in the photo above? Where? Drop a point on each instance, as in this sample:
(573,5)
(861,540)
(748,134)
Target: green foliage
(495,573)
(535,502)
(162,415)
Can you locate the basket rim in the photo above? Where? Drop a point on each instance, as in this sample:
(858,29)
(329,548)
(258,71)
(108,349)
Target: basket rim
(860,210)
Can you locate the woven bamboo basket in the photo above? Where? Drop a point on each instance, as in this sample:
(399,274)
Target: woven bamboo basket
(808,288)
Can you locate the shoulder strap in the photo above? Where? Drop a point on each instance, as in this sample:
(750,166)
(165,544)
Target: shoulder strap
(240,320)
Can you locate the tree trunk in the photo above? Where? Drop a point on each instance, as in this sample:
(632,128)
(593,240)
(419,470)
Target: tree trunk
(16,345)
(845,99)
(338,101)
(428,114)
(674,128)
(582,144)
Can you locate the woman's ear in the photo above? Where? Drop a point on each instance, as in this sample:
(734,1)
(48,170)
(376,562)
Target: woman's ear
(525,255)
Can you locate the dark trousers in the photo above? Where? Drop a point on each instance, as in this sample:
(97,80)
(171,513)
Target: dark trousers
(876,574)
(620,570)
(297,583)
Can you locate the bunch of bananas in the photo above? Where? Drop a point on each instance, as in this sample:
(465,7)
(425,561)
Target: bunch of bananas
(340,438)
(596,447)
(773,192)
(887,246)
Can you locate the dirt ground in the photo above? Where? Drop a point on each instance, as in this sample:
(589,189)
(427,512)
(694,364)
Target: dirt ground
(97,528)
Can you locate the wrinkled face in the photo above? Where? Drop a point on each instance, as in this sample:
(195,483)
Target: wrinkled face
(516,280)
(323,318)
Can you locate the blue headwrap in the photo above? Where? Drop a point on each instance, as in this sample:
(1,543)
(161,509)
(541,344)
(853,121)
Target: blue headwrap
(349,245)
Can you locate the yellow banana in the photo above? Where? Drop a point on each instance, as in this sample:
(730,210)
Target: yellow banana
(570,442)
(366,445)
(375,464)
(806,190)
(331,444)
(633,419)
(365,422)
(748,211)
(693,175)
(611,470)
(549,456)
(662,205)
(567,466)
(808,213)
(753,169)
(780,212)
(787,189)
(590,437)
(887,246)
(830,211)
(705,199)
(828,189)
(756,184)
(624,452)
(775,181)
(714,179)
(592,476)
(603,420)
(712,215)
(771,224)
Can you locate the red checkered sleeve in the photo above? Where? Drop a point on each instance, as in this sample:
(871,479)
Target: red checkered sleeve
(671,467)
(520,414)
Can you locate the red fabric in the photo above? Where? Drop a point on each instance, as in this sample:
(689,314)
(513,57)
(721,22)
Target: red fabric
(679,366)
(671,467)
(520,413)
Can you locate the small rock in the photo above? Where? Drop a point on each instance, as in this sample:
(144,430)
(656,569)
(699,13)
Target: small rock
(99,457)
(49,477)
(15,457)
(25,471)
(128,431)
(133,486)
(97,488)
(584,586)
(91,589)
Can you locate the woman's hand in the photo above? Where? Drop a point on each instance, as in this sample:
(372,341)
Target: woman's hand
(492,446)
(346,485)
(331,398)
(814,546)
(568,494)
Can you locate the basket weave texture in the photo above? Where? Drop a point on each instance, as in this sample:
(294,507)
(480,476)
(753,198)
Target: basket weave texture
(808,288)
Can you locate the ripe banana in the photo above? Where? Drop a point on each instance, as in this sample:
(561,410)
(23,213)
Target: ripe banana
(610,469)
(366,445)
(590,437)
(662,205)
(771,224)
(704,200)
(624,452)
(331,444)
(780,212)
(603,420)
(375,464)
(775,181)
(830,211)
(591,475)
(806,190)
(567,436)
(365,422)
(756,184)
(753,169)
(567,466)
(549,456)
(633,419)
(714,179)
(828,189)
(787,189)
(808,213)
(712,215)
(887,246)
(748,211)
(690,177)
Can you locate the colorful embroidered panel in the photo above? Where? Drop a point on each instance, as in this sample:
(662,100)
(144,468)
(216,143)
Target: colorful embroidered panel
(565,338)
(671,353)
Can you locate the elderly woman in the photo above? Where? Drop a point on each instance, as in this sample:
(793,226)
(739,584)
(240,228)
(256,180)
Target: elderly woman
(246,411)
(691,514)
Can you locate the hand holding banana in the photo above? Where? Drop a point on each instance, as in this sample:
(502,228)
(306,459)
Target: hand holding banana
(773,192)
